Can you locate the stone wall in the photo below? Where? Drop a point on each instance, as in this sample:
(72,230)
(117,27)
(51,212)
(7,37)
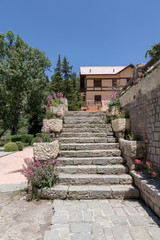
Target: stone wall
(149,191)
(142,102)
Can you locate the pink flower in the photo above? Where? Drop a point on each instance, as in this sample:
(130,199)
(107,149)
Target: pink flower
(149,165)
(154,174)
(139,172)
(54,94)
(50,97)
(138,162)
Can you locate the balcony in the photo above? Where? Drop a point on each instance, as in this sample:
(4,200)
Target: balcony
(91,105)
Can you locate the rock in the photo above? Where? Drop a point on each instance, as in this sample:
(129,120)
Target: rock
(43,151)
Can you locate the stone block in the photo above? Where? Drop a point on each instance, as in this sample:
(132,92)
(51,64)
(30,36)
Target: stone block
(56,192)
(60,110)
(121,124)
(132,150)
(113,111)
(52,125)
(43,151)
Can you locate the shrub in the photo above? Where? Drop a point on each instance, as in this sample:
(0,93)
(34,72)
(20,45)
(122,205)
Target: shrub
(123,115)
(20,145)
(55,99)
(46,137)
(114,99)
(107,120)
(26,144)
(10,147)
(132,137)
(50,115)
(25,138)
(40,173)
(36,139)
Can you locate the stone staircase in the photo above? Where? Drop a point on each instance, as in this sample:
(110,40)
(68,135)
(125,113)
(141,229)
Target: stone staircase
(91,165)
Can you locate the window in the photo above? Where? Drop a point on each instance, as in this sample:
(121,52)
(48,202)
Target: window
(97,83)
(97,98)
(114,83)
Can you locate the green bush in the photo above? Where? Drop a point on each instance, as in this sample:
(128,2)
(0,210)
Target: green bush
(20,145)
(10,147)
(107,120)
(114,102)
(25,138)
(26,144)
(43,134)
(50,115)
(123,115)
(36,139)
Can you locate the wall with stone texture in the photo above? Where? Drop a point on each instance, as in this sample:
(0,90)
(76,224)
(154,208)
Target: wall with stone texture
(142,102)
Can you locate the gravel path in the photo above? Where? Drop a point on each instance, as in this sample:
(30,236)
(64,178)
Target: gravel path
(22,220)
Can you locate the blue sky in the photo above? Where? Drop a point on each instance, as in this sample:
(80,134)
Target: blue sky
(87,32)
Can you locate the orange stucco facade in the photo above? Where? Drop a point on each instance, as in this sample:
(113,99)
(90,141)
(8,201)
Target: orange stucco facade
(95,88)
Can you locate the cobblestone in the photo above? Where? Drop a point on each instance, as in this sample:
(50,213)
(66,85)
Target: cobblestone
(103,220)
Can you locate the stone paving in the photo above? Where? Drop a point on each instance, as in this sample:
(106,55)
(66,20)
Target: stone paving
(103,220)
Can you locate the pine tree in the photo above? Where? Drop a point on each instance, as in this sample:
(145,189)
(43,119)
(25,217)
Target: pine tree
(57,80)
(66,70)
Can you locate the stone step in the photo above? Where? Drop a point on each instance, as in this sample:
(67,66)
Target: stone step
(90,192)
(90,153)
(85,118)
(88,120)
(86,125)
(95,179)
(86,134)
(88,161)
(88,140)
(88,130)
(85,113)
(89,146)
(93,169)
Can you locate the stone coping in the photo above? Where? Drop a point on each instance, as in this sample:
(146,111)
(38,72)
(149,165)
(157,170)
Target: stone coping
(146,85)
(149,190)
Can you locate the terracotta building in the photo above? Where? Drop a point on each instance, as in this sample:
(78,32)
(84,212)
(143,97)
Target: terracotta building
(96,83)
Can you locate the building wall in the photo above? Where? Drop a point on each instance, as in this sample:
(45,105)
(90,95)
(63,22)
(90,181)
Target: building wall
(128,72)
(143,104)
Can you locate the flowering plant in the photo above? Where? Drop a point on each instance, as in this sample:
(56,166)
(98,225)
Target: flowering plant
(113,99)
(40,173)
(148,168)
(55,99)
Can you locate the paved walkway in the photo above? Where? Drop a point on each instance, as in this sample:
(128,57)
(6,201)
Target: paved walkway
(11,180)
(103,220)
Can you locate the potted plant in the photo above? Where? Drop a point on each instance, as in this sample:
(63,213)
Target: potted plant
(121,123)
(113,105)
(57,104)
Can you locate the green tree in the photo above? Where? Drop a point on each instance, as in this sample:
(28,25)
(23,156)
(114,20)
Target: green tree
(66,70)
(154,52)
(21,68)
(56,84)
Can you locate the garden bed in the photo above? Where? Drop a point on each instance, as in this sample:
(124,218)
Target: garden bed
(149,190)
(46,150)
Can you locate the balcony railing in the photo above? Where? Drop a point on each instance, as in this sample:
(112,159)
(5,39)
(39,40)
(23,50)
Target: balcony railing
(92,103)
